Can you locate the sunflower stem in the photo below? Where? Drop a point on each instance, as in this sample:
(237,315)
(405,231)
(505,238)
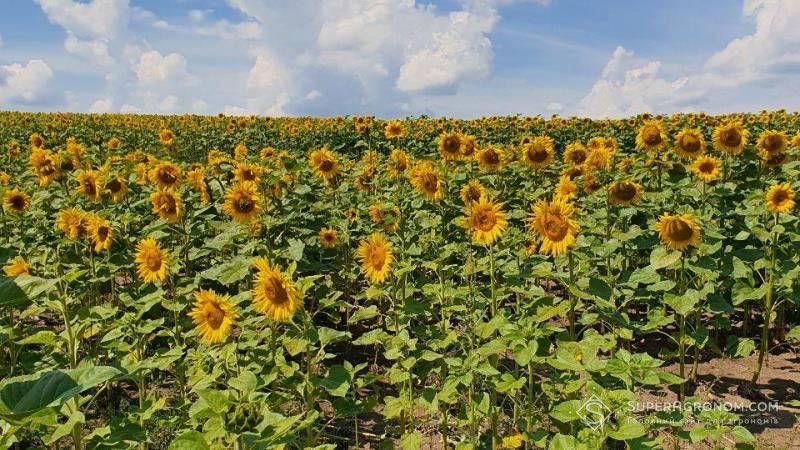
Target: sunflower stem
(762,352)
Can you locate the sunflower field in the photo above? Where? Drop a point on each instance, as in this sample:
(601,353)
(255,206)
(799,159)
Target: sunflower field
(190,282)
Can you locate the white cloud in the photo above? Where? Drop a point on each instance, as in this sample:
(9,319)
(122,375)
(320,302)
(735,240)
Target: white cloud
(25,84)
(313,95)
(93,49)
(154,68)
(97,19)
(555,107)
(756,71)
(101,106)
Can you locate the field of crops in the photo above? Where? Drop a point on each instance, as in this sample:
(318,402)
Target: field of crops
(192,282)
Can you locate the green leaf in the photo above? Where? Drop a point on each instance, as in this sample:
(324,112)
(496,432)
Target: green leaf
(295,250)
(28,394)
(411,441)
(23,290)
(628,430)
(190,440)
(364,314)
(566,411)
(742,435)
(337,383)
(661,258)
(230,272)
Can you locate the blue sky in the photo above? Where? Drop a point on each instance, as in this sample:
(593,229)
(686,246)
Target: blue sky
(463,58)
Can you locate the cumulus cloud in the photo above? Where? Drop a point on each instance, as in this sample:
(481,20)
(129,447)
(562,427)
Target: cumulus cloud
(96,19)
(25,84)
(155,68)
(101,106)
(758,70)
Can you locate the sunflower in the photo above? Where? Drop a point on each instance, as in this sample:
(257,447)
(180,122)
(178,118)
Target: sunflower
(376,258)
(678,232)
(388,218)
(450,146)
(731,137)
(100,231)
(772,142)
(397,163)
(167,205)
(426,180)
(35,140)
(624,193)
(554,223)
(486,221)
(90,184)
(538,153)
(240,151)
(213,315)
(774,159)
(575,154)
(490,158)
(274,293)
(113,143)
(472,192)
(17,201)
(151,261)
(795,141)
(467,146)
(599,158)
(651,136)
(706,168)
(241,202)
(394,129)
(247,172)
(689,143)
(17,266)
(165,175)
(324,164)
(72,222)
(166,137)
(591,184)
(44,165)
(197,180)
(117,188)
(328,237)
(780,198)
(565,188)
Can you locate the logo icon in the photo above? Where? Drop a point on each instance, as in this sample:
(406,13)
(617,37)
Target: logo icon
(594,413)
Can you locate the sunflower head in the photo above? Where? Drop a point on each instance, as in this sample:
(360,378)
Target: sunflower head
(90,185)
(398,163)
(566,188)
(167,205)
(213,316)
(324,164)
(624,193)
(449,146)
(101,233)
(17,266)
(486,221)
(117,189)
(151,261)
(731,137)
(328,237)
(490,158)
(394,129)
(165,175)
(553,222)
(651,136)
(472,192)
(376,258)
(16,201)
(538,152)
(678,232)
(274,293)
(780,198)
(706,168)
(247,172)
(467,146)
(427,181)
(771,142)
(689,144)
(575,154)
(73,223)
(242,202)
(166,137)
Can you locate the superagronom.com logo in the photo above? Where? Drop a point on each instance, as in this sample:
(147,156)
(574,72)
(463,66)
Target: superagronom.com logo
(594,413)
